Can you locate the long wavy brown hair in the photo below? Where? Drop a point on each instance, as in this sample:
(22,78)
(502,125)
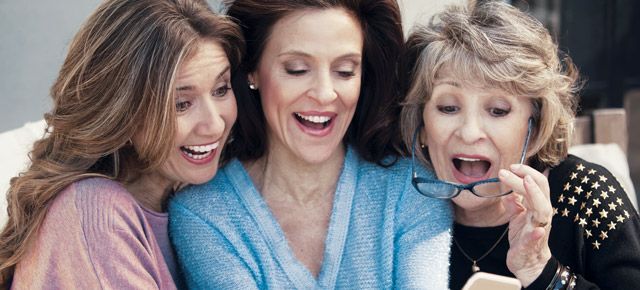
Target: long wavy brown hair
(117,80)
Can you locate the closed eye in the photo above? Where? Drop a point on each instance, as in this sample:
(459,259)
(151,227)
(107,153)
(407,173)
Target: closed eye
(297,72)
(346,74)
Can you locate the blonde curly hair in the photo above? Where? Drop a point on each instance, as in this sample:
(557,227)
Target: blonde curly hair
(498,45)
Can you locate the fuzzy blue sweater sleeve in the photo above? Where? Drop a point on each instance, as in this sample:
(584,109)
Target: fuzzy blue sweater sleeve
(382,234)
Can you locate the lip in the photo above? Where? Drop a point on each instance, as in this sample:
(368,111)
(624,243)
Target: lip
(205,160)
(463,179)
(316,132)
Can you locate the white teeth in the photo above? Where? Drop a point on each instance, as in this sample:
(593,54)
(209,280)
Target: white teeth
(203,148)
(199,156)
(468,159)
(314,119)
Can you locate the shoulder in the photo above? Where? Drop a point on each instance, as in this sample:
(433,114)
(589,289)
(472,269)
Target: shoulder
(213,195)
(395,182)
(98,203)
(590,196)
(582,178)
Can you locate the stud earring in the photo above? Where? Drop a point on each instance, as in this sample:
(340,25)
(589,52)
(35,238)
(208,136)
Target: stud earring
(253,86)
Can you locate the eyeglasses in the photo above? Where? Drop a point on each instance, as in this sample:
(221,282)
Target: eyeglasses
(445,190)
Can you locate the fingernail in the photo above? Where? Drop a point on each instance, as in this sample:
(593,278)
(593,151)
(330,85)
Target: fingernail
(515,166)
(502,173)
(528,179)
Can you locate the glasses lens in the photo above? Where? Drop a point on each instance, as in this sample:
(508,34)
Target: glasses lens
(435,189)
(490,189)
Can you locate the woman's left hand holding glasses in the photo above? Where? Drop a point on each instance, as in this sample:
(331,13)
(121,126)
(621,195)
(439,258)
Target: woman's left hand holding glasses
(530,211)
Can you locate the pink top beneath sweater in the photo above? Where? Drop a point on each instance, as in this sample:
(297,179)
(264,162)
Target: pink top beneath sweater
(96,236)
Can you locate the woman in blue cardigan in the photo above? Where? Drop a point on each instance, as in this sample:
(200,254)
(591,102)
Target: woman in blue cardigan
(313,193)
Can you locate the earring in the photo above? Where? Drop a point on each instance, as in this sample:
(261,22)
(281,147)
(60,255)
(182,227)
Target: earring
(253,86)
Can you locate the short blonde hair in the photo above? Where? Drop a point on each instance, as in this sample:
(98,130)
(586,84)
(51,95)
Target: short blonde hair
(496,44)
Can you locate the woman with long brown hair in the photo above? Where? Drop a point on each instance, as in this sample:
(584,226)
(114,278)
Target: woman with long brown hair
(142,106)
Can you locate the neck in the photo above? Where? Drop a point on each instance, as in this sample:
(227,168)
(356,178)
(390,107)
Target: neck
(487,216)
(279,176)
(152,191)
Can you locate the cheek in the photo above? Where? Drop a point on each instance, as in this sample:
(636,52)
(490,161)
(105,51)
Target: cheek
(230,112)
(351,91)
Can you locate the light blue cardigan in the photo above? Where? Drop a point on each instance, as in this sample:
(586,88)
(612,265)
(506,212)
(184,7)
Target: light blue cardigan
(382,234)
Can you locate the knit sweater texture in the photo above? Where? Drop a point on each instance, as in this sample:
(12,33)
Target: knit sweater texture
(96,236)
(382,234)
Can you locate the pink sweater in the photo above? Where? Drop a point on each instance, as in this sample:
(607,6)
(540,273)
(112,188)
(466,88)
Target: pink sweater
(96,236)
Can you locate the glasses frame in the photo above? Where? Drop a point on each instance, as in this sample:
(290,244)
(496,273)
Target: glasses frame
(415,180)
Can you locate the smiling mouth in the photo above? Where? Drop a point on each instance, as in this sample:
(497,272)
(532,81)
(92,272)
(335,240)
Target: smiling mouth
(313,122)
(472,167)
(198,152)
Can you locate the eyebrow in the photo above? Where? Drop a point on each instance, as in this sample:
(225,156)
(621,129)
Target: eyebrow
(191,87)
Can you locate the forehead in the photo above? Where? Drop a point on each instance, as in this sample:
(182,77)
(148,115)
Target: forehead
(474,76)
(313,30)
(207,56)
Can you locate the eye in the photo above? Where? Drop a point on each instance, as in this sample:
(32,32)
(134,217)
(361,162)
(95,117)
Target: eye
(499,112)
(448,109)
(182,106)
(296,72)
(346,74)
(221,91)
(296,67)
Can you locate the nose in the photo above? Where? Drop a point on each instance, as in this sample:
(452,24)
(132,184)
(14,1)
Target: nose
(323,90)
(210,122)
(471,129)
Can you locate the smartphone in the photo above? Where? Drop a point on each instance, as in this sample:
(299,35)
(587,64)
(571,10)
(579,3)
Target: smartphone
(488,281)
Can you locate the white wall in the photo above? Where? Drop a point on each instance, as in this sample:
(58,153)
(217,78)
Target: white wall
(35,34)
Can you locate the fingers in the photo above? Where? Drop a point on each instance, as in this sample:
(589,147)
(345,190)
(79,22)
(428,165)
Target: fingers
(534,187)
(542,211)
(522,170)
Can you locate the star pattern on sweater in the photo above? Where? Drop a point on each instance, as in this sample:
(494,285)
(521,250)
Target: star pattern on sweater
(590,200)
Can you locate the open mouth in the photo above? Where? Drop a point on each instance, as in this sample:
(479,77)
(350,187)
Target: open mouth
(198,152)
(314,122)
(472,167)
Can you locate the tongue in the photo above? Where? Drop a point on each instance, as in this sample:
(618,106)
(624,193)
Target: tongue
(474,168)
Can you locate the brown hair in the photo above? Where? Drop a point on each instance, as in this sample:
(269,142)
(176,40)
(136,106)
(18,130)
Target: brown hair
(117,80)
(370,131)
(496,44)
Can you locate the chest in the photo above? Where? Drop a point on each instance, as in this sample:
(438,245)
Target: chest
(305,228)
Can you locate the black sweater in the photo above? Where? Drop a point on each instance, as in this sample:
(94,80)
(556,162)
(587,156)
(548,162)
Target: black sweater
(595,231)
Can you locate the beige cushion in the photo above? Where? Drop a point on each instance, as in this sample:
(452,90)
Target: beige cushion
(15,146)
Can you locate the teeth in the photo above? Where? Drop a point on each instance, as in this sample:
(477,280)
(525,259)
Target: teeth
(468,159)
(314,119)
(199,156)
(203,148)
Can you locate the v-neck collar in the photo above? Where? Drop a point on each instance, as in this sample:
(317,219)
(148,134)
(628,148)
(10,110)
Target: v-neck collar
(270,229)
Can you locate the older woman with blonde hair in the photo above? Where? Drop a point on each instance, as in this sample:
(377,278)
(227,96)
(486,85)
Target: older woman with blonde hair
(142,106)
(490,107)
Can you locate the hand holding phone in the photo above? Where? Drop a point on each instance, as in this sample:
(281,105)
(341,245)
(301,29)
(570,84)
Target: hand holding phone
(488,281)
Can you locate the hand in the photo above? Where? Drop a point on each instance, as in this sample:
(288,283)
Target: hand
(530,211)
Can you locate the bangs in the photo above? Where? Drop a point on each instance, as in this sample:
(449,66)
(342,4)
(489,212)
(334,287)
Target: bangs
(470,68)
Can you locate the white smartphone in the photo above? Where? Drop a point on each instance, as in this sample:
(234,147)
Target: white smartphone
(488,281)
